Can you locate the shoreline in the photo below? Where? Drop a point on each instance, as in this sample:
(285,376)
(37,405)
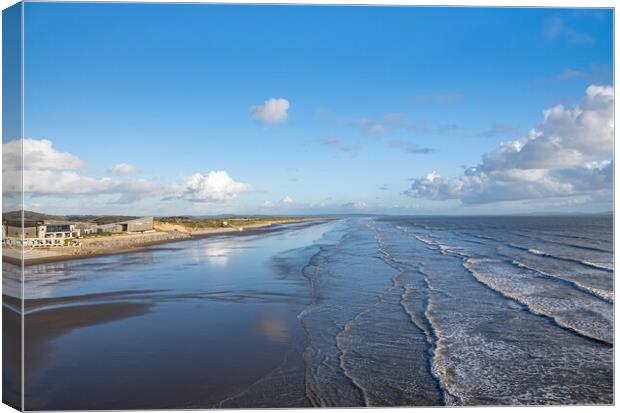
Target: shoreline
(147,245)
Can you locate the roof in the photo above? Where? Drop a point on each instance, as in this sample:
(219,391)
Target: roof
(135,220)
(27,223)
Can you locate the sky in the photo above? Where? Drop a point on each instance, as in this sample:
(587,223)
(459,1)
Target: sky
(218,109)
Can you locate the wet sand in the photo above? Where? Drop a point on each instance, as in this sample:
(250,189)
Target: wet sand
(49,256)
(202,324)
(11,357)
(40,329)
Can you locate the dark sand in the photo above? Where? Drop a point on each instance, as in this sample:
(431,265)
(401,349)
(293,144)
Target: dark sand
(40,328)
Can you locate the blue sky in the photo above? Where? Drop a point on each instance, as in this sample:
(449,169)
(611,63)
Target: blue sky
(377,99)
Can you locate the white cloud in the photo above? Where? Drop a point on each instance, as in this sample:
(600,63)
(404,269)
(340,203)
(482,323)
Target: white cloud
(273,111)
(37,155)
(122,169)
(285,202)
(48,171)
(566,155)
(51,182)
(212,187)
(356,205)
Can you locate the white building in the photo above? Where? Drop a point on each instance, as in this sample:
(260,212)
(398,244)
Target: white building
(38,233)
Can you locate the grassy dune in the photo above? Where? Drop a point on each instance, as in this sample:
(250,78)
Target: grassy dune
(190,224)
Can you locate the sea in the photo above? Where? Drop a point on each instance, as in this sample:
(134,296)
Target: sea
(357,311)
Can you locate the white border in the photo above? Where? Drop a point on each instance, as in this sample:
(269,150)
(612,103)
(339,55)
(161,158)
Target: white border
(483,3)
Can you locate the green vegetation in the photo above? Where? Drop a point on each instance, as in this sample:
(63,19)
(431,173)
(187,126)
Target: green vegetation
(193,224)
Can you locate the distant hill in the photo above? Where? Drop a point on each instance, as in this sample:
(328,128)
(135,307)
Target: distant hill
(31,216)
(100,219)
(38,216)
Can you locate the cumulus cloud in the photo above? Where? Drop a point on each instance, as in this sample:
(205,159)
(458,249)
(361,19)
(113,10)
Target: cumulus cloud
(37,155)
(272,111)
(122,169)
(49,171)
(50,182)
(566,155)
(476,187)
(287,200)
(214,186)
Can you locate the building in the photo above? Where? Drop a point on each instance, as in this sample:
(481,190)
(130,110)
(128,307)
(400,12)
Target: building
(61,230)
(86,227)
(133,225)
(138,225)
(29,229)
(38,233)
(112,228)
(62,233)
(28,234)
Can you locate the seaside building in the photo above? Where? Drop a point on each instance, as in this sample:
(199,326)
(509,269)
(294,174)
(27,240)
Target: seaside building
(134,225)
(86,227)
(60,230)
(38,233)
(111,228)
(47,234)
(29,229)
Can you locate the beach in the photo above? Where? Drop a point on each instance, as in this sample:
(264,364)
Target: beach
(124,243)
(366,311)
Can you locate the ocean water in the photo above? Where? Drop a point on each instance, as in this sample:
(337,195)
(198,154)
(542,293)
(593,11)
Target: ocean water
(364,311)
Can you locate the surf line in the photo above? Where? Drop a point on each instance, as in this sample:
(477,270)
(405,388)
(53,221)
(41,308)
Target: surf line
(424,325)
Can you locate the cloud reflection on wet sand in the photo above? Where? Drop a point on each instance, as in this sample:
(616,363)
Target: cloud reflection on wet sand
(271,326)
